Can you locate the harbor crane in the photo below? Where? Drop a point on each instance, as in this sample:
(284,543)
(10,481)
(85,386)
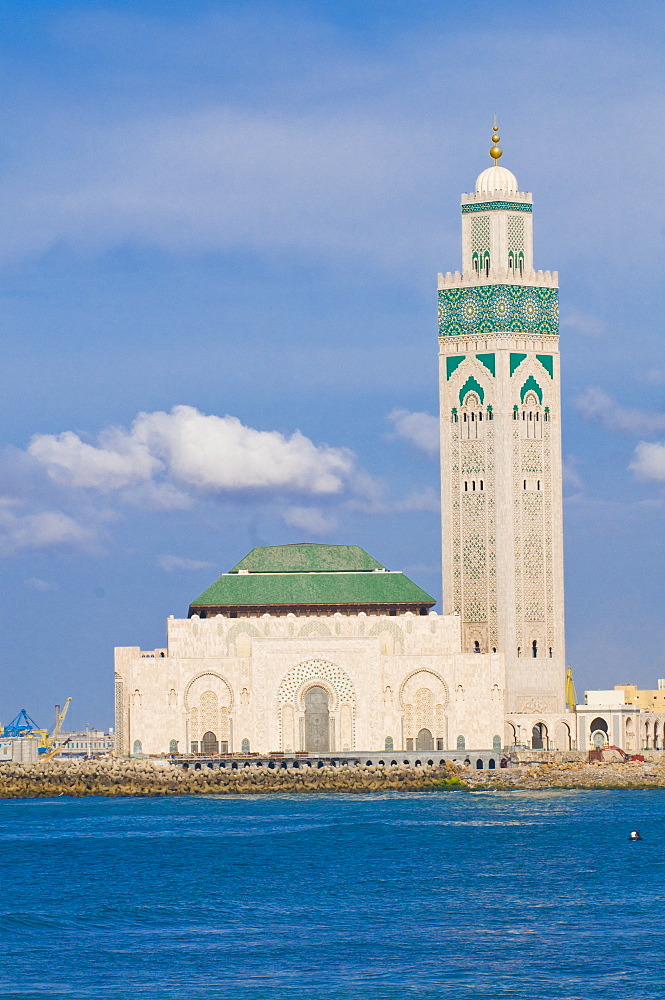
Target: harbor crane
(23,725)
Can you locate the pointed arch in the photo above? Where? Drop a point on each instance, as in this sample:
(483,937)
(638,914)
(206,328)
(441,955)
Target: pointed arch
(531,386)
(472,385)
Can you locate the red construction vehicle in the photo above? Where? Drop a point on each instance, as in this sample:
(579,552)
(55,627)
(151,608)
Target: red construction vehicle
(597,754)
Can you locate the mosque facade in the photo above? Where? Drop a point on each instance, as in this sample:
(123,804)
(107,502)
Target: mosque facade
(317,648)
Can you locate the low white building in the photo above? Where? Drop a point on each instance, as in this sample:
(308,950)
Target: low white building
(605,719)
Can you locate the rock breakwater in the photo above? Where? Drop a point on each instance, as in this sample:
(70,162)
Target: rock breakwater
(159,778)
(154,778)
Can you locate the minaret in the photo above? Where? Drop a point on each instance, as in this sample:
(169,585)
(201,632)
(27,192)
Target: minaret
(501,444)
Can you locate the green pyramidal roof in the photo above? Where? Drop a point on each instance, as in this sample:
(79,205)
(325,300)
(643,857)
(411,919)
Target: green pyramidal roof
(311,576)
(307,557)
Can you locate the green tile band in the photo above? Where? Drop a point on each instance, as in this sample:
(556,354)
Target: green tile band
(483,309)
(488,206)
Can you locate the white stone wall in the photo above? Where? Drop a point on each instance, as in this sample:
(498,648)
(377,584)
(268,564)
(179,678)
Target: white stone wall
(245,679)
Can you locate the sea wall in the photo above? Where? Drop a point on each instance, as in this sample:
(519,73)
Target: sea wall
(154,778)
(112,778)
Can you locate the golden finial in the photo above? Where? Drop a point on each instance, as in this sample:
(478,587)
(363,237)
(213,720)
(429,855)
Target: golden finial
(495,151)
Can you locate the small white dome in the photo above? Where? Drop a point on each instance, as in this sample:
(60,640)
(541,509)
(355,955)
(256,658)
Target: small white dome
(496,178)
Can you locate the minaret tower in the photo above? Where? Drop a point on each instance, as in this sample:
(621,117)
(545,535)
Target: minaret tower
(501,444)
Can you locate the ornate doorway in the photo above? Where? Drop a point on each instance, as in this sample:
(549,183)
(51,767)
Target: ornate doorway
(317,720)
(209,744)
(424,740)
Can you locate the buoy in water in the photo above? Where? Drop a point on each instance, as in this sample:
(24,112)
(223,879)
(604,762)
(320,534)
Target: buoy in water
(635,835)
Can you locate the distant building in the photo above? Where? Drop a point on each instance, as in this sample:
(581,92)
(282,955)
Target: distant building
(19,749)
(607,719)
(648,701)
(86,743)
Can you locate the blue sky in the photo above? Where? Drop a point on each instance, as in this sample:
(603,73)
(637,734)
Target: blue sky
(220,228)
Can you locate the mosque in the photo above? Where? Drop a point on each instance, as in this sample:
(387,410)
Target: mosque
(321,648)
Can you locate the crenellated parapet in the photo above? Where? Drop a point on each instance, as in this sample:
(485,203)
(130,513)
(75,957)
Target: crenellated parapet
(455,279)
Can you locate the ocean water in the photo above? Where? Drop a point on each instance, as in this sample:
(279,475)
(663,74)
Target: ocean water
(427,895)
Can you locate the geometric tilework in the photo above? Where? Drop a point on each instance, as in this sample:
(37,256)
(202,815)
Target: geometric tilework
(452,363)
(547,361)
(489,360)
(471,385)
(488,206)
(498,309)
(516,360)
(531,386)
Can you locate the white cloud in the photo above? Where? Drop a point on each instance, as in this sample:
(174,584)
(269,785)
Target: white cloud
(588,326)
(419,429)
(570,474)
(186,450)
(171,563)
(38,584)
(119,460)
(221,178)
(597,406)
(649,461)
(41,530)
(309,519)
(426,502)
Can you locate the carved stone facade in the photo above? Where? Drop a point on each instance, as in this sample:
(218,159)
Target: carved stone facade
(501,446)
(270,684)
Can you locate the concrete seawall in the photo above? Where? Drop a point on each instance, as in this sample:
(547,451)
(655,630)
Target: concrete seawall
(155,778)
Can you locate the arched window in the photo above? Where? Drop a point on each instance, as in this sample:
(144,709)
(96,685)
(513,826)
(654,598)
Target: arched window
(473,485)
(539,484)
(476,646)
(461,743)
(482,485)
(550,652)
(173,746)
(138,746)
(534,648)
(466,486)
(244,746)
(389,743)
(519,650)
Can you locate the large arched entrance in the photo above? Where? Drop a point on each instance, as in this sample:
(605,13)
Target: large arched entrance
(539,737)
(209,744)
(599,732)
(317,720)
(424,740)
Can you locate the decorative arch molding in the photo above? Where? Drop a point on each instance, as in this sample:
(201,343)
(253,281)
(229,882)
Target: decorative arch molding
(320,683)
(339,687)
(314,628)
(471,385)
(238,629)
(311,672)
(429,673)
(531,386)
(207,673)
(394,630)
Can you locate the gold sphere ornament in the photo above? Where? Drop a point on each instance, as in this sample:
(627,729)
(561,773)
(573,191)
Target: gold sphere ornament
(496,152)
